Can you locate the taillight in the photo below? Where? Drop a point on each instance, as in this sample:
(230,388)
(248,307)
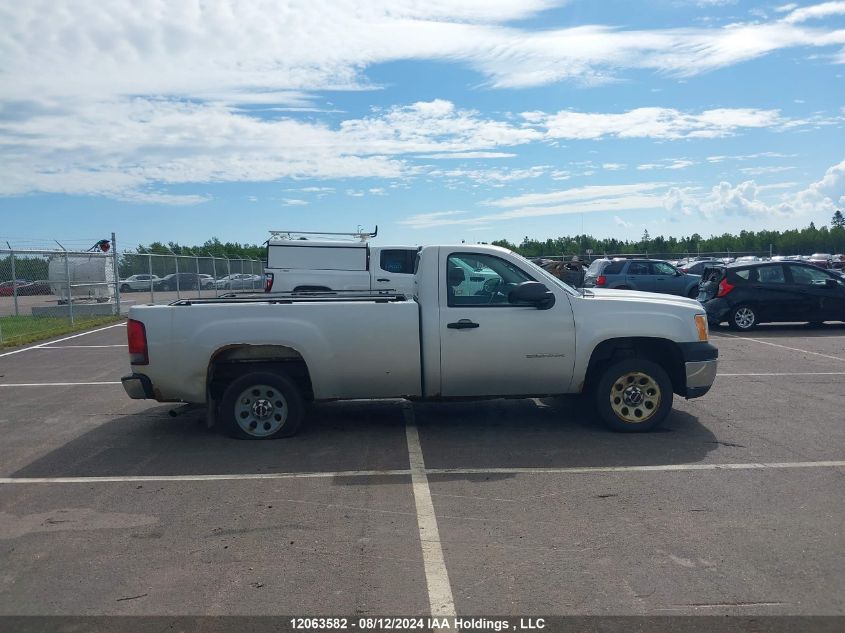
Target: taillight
(601,280)
(136,335)
(268,282)
(684,270)
(724,287)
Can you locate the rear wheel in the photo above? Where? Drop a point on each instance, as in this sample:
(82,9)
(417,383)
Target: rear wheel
(743,318)
(125,288)
(633,395)
(262,406)
(693,293)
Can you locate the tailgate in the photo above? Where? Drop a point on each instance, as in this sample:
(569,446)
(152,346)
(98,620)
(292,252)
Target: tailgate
(708,287)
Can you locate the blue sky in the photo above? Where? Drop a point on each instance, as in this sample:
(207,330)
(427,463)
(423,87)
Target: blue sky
(438,121)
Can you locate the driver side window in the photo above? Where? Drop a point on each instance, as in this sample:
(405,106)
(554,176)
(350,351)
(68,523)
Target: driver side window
(479,279)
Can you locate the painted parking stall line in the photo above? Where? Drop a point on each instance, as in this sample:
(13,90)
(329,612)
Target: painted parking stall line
(59,384)
(80,346)
(792,349)
(585,470)
(437,577)
(199,478)
(61,340)
(796,373)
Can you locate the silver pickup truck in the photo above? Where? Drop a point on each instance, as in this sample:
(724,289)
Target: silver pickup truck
(255,361)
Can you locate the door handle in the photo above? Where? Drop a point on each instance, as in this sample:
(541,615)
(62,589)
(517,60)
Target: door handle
(463,324)
(382,279)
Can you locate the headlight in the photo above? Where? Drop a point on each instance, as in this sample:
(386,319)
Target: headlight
(701,326)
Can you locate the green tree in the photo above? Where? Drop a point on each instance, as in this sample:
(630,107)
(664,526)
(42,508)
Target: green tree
(837,221)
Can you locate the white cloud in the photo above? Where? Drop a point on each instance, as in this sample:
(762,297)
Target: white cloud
(743,199)
(430,220)
(653,122)
(294,202)
(493,177)
(620,222)
(579,193)
(448,155)
(669,163)
(253,51)
(613,166)
(759,171)
(815,12)
(128,147)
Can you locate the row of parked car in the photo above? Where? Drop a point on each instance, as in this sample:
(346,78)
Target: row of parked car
(24,288)
(742,293)
(191,281)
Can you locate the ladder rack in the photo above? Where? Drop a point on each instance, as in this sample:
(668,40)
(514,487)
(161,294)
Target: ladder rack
(288,235)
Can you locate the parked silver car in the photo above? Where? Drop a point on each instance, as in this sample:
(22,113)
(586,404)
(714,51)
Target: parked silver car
(138,282)
(240,281)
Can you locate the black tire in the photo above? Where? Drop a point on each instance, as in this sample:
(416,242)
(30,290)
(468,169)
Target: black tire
(276,391)
(743,318)
(650,396)
(125,288)
(693,293)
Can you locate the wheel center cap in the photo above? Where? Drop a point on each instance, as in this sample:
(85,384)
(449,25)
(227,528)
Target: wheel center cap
(633,396)
(262,409)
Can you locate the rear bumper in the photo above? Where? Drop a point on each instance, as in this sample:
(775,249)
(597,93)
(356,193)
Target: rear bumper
(138,387)
(717,310)
(700,364)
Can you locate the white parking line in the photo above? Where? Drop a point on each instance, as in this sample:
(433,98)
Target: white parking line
(78,346)
(793,349)
(58,384)
(67,338)
(232,477)
(437,577)
(797,373)
(585,470)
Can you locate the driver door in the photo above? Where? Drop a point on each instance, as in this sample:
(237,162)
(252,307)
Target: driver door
(489,347)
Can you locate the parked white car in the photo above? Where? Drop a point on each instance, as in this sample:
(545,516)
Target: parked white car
(256,360)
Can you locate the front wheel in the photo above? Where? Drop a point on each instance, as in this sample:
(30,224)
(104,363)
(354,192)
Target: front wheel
(743,318)
(262,406)
(633,395)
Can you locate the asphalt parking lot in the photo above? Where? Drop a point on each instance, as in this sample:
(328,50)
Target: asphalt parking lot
(518,507)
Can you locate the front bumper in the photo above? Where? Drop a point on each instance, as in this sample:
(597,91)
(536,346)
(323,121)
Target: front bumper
(700,364)
(138,387)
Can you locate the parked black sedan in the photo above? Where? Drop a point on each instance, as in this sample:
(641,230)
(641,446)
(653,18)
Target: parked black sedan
(745,294)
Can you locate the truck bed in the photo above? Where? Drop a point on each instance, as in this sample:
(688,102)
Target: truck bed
(340,338)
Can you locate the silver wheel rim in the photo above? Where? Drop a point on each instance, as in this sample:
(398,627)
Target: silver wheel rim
(635,397)
(744,318)
(261,410)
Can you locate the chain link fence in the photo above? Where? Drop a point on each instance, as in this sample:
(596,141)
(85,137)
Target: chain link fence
(49,291)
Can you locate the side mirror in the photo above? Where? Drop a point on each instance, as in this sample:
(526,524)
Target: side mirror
(532,293)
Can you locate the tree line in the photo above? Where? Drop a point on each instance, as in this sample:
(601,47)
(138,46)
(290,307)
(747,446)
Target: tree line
(804,241)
